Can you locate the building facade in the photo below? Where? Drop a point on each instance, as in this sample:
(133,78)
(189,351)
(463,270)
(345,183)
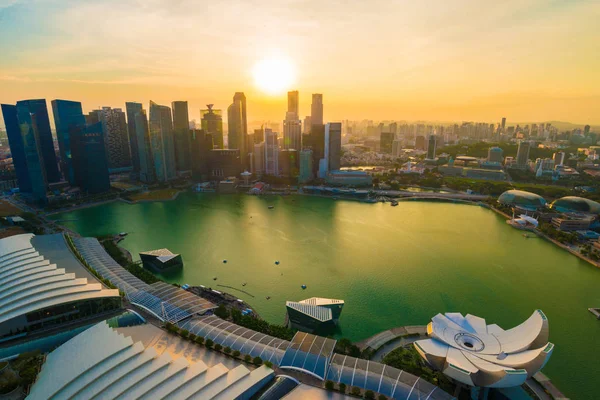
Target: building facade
(431,147)
(306,166)
(132,109)
(69,121)
(147,172)
(181,135)
(90,161)
(237,127)
(116,139)
(224,163)
(161,139)
(271,166)
(201,146)
(212,124)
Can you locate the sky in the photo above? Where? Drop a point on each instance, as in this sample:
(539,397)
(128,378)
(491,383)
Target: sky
(471,60)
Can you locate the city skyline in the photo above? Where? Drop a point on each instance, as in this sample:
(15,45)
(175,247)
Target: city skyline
(382,61)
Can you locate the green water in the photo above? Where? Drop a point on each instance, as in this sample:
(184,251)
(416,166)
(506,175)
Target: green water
(393,266)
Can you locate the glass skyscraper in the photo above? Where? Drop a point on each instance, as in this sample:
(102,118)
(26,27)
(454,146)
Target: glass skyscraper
(212,124)
(161,139)
(181,135)
(69,121)
(90,161)
(142,134)
(17,149)
(131,109)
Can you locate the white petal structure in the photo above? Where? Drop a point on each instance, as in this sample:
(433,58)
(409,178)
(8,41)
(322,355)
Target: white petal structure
(470,351)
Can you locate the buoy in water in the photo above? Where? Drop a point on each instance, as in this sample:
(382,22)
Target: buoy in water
(224,261)
(277,262)
(303,286)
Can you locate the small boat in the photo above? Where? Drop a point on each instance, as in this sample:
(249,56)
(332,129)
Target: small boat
(303,287)
(215,278)
(123,234)
(244,284)
(224,261)
(277,262)
(271,207)
(268,297)
(394,203)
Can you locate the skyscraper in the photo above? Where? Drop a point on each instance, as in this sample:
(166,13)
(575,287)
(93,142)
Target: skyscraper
(431,147)
(307,125)
(212,124)
(316,110)
(333,145)
(385,142)
(420,142)
(259,158)
(237,128)
(17,147)
(293,102)
(523,154)
(271,153)
(292,131)
(181,135)
(201,145)
(132,109)
(306,167)
(89,159)
(503,123)
(116,139)
(161,139)
(144,146)
(69,121)
(39,113)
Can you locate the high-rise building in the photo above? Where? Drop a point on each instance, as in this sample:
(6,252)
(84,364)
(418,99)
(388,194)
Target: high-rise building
(559,158)
(333,133)
(393,128)
(147,172)
(495,155)
(306,166)
(271,153)
(503,123)
(17,147)
(288,163)
(307,125)
(237,127)
(116,139)
(259,158)
(420,142)
(523,154)
(224,163)
(259,136)
(201,145)
(586,129)
(131,109)
(212,124)
(181,135)
(69,121)
(385,142)
(161,139)
(396,148)
(316,110)
(316,143)
(431,147)
(90,161)
(293,102)
(292,131)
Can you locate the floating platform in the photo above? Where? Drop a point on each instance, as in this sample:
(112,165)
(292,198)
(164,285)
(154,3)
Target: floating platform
(595,311)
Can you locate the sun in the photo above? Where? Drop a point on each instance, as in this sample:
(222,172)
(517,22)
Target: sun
(274,75)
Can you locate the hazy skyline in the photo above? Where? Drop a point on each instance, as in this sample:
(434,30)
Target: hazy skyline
(528,60)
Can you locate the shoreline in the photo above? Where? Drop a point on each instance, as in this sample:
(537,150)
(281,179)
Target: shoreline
(174,197)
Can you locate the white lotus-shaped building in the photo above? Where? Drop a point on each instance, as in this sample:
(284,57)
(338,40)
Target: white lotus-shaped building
(476,354)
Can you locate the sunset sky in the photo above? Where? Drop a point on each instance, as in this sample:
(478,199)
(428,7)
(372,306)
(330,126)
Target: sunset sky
(528,60)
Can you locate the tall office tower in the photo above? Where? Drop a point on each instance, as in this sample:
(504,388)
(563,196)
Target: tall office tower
(333,132)
(271,153)
(17,147)
(141,136)
(259,135)
(212,124)
(293,102)
(36,110)
(316,110)
(317,145)
(431,147)
(69,121)
(306,166)
(307,125)
(420,142)
(586,129)
(393,128)
(495,155)
(181,135)
(292,131)
(116,139)
(237,127)
(385,142)
(259,159)
(90,161)
(201,145)
(161,139)
(396,148)
(131,109)
(559,158)
(523,154)
(503,123)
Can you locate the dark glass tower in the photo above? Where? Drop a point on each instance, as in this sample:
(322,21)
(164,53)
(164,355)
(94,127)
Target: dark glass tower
(91,162)
(161,138)
(69,121)
(131,109)
(17,149)
(39,112)
(181,136)
(212,124)
(147,174)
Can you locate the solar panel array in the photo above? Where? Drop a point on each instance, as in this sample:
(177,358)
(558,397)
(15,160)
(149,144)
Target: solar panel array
(381,378)
(309,353)
(245,340)
(167,302)
(319,313)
